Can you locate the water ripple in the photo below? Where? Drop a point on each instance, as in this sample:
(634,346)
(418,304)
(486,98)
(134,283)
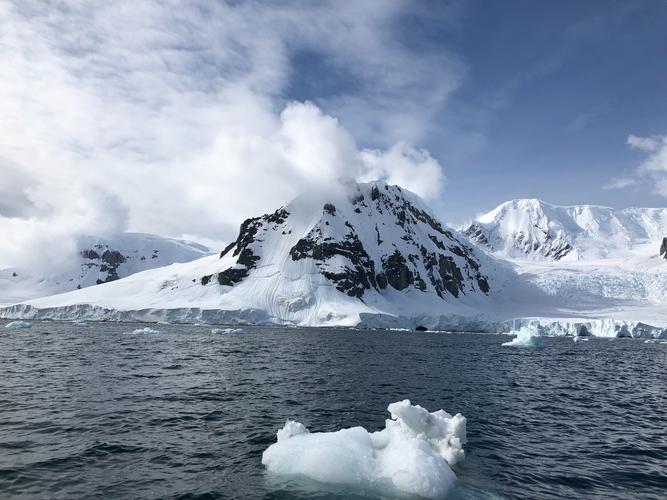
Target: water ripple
(97,414)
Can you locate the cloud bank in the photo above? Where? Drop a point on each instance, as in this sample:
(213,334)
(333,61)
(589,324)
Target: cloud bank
(182,118)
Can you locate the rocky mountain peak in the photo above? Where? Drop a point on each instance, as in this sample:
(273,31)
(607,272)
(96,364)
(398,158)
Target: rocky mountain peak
(370,238)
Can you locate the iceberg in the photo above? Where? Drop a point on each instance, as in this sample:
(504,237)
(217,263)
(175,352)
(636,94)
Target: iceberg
(526,336)
(579,338)
(222,331)
(18,324)
(146,331)
(411,455)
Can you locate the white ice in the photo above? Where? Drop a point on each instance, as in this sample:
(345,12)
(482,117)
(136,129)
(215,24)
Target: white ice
(18,324)
(526,336)
(412,454)
(580,339)
(222,331)
(146,331)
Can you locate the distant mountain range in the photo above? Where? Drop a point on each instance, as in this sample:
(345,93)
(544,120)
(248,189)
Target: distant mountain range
(533,229)
(98,260)
(374,255)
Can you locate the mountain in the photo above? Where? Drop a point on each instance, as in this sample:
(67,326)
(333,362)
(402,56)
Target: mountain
(373,255)
(98,260)
(358,251)
(589,261)
(535,230)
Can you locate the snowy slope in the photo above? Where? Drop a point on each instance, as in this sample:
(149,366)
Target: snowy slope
(592,262)
(99,260)
(362,249)
(374,255)
(533,229)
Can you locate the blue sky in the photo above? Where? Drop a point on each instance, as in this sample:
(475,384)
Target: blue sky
(550,94)
(574,79)
(183,118)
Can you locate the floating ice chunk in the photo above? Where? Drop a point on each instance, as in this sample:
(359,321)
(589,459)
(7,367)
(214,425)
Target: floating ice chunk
(146,331)
(412,454)
(79,322)
(18,324)
(222,331)
(579,338)
(526,336)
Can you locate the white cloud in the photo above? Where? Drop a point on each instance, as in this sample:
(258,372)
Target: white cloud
(170,117)
(652,171)
(620,183)
(406,166)
(644,143)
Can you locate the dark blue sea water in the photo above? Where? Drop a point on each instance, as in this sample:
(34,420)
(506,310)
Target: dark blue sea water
(90,412)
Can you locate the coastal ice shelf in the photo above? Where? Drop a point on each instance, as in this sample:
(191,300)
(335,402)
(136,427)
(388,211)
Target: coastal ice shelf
(374,255)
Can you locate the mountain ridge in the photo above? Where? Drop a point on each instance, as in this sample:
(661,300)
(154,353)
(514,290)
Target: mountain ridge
(533,229)
(367,248)
(98,260)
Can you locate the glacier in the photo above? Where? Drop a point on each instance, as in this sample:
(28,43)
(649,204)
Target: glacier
(373,255)
(411,455)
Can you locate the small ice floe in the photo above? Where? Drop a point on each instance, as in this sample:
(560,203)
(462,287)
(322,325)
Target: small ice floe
(411,455)
(146,331)
(18,324)
(526,336)
(79,322)
(223,331)
(579,338)
(651,341)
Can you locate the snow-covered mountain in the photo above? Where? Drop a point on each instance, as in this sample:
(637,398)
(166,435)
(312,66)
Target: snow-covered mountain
(361,249)
(98,260)
(533,229)
(590,261)
(374,255)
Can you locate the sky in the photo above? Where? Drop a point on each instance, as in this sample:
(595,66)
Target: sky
(183,118)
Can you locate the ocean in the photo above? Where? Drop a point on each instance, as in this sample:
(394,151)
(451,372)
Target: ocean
(99,412)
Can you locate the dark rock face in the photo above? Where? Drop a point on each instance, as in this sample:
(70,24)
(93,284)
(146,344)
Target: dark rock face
(90,254)
(477,234)
(231,276)
(386,241)
(663,248)
(351,280)
(397,269)
(243,247)
(113,258)
(550,246)
(110,260)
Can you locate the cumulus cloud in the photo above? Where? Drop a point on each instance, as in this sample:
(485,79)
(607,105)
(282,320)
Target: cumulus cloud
(652,171)
(175,117)
(402,164)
